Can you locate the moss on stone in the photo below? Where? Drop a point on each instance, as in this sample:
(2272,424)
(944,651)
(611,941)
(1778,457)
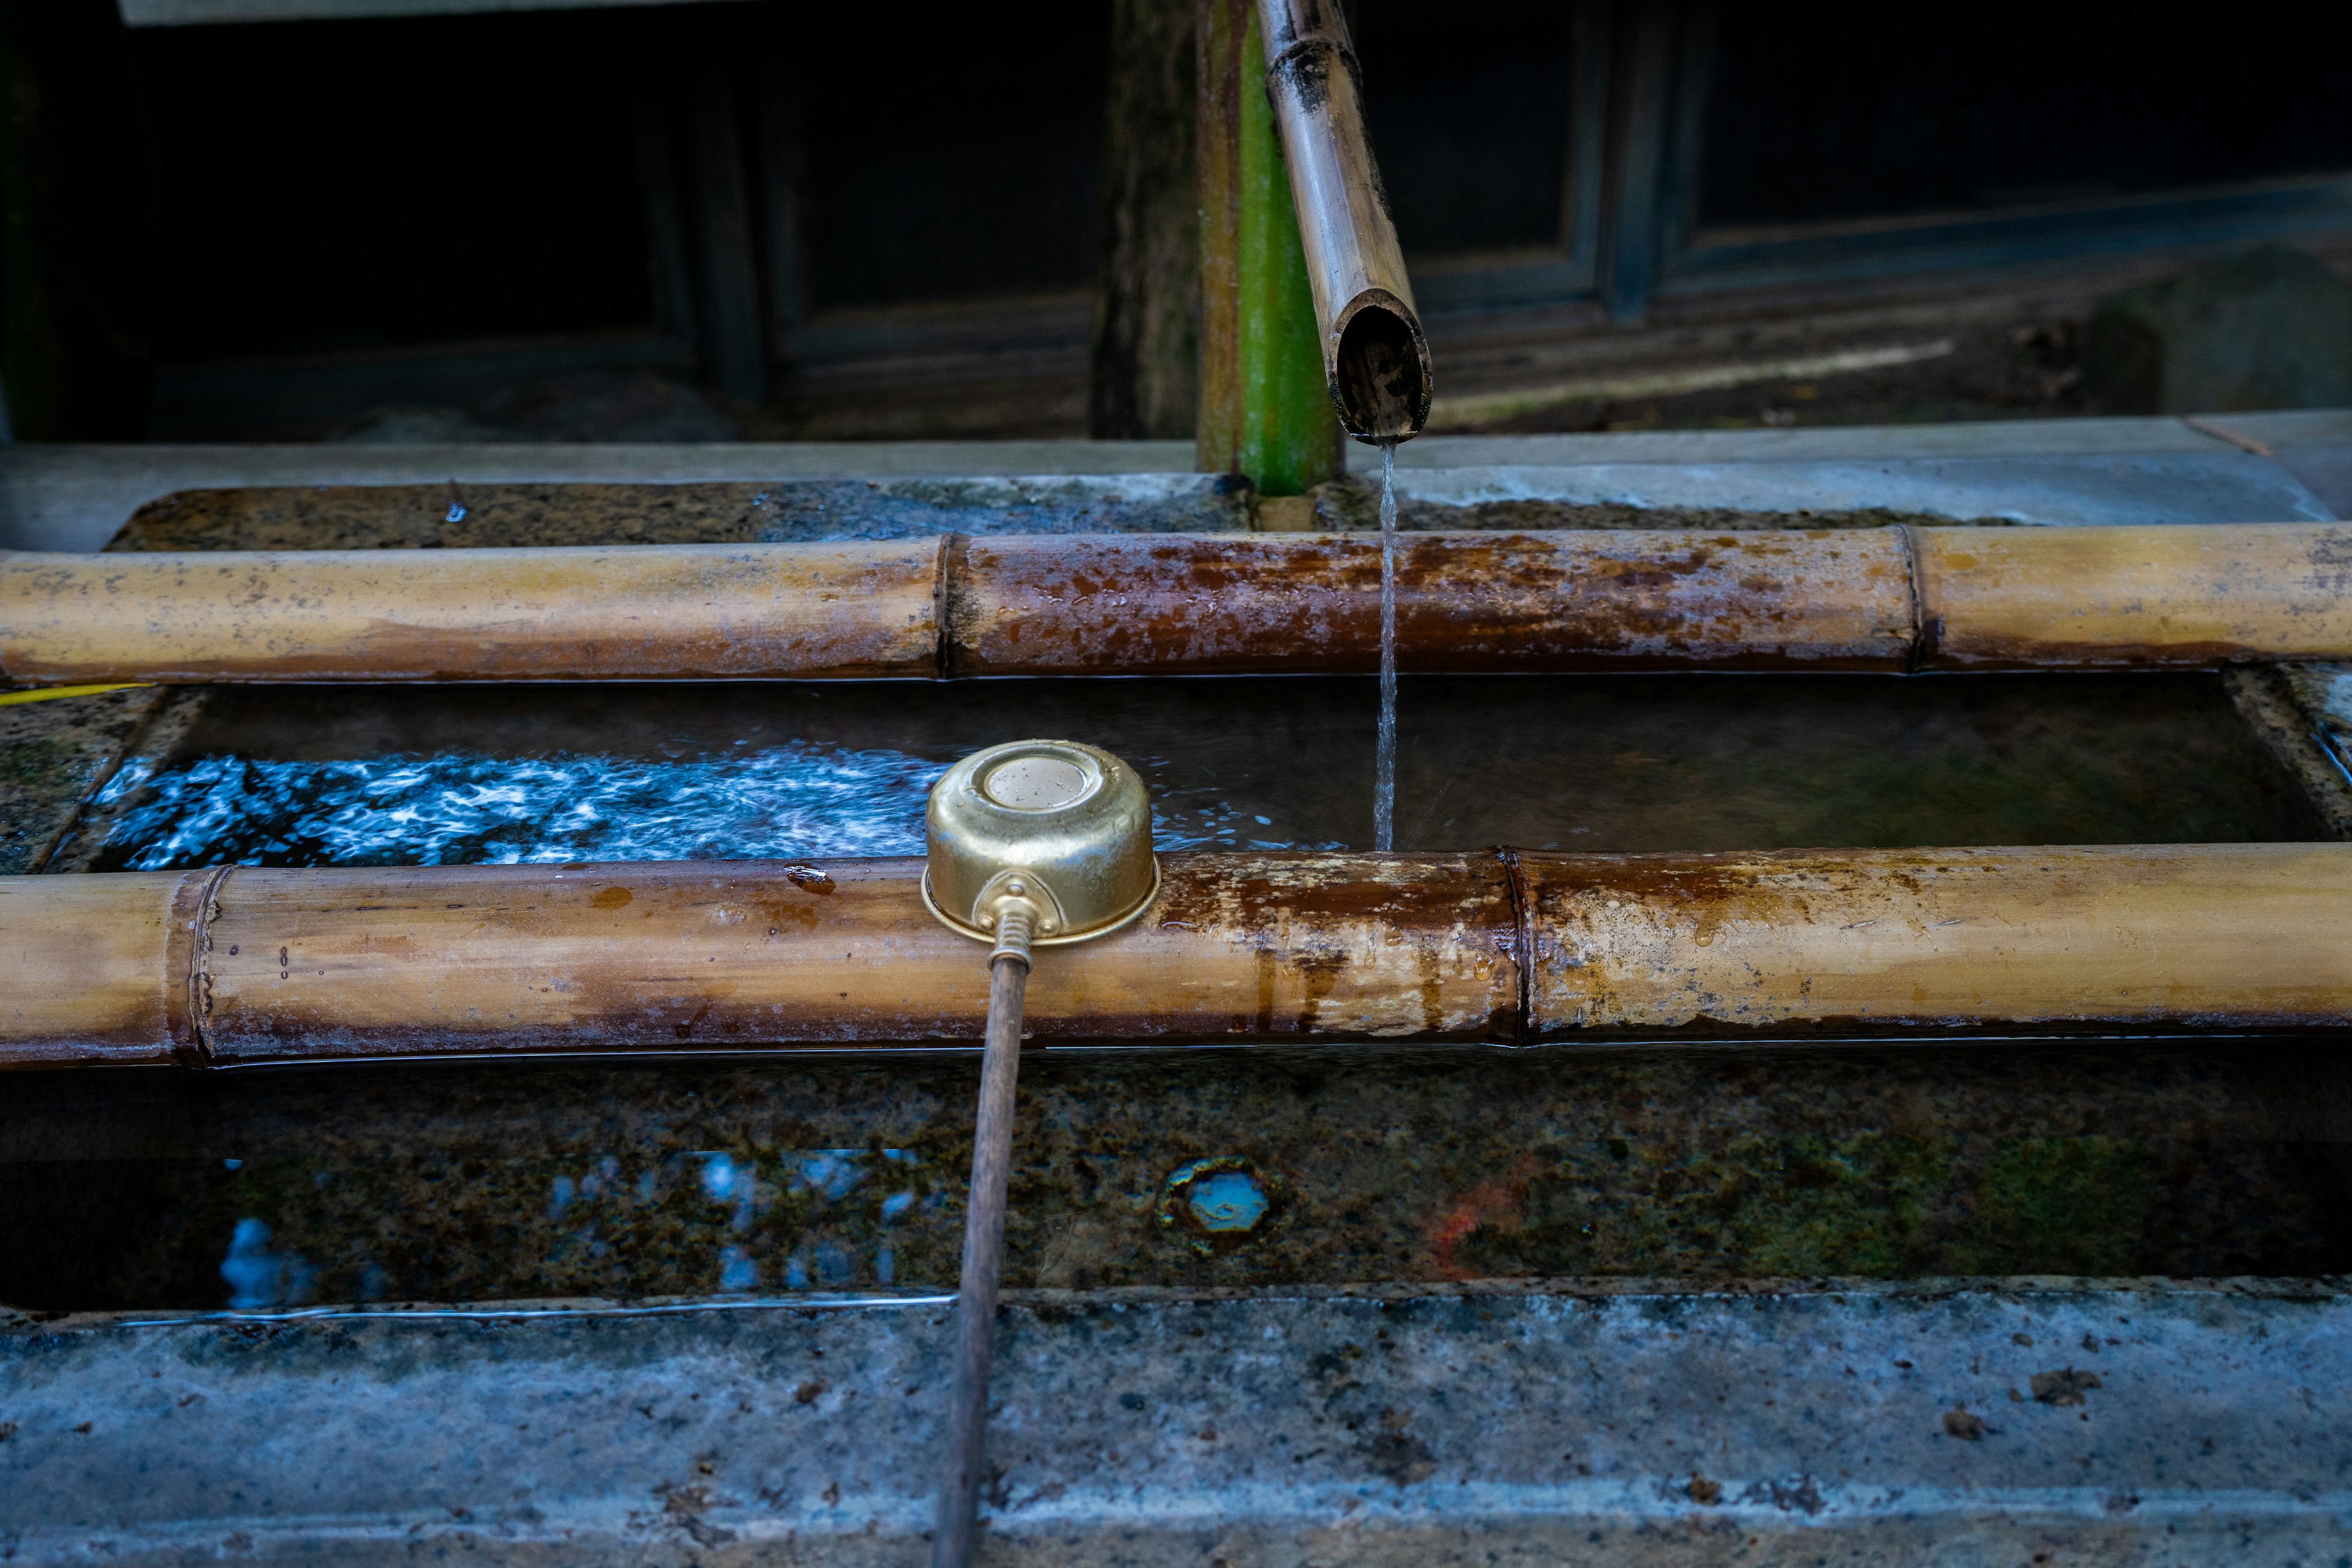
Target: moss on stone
(2060,1206)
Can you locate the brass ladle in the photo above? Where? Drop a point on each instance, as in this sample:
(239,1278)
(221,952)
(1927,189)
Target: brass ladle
(1031,843)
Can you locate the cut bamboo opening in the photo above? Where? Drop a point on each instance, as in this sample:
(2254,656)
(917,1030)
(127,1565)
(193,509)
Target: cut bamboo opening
(1892,599)
(1375,356)
(234,967)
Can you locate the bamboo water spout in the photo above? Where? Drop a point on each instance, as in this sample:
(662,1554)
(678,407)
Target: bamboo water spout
(1375,355)
(1890,600)
(230,966)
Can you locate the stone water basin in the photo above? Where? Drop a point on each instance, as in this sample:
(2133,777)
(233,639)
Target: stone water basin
(458,1181)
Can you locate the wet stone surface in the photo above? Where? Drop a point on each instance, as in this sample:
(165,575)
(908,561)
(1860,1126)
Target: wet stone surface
(53,754)
(425,517)
(477,1182)
(1351,504)
(297,775)
(2324,691)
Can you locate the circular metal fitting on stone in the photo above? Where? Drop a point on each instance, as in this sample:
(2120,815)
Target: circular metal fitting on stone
(1060,830)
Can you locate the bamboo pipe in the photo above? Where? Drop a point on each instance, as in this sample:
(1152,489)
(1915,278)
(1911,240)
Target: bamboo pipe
(234,967)
(1375,356)
(660,612)
(2024,598)
(1888,599)
(1266,409)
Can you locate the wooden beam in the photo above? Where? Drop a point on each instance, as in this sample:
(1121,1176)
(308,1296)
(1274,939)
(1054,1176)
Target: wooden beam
(1642,101)
(1592,40)
(1143,380)
(734,345)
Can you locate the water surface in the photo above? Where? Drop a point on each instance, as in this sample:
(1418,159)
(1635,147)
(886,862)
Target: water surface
(427,776)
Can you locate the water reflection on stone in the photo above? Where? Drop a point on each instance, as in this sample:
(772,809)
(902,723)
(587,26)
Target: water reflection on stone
(508,1181)
(730,1220)
(257,1277)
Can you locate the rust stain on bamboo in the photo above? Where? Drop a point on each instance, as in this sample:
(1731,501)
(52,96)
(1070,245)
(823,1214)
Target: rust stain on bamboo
(527,959)
(1880,599)
(257,964)
(1475,601)
(1839,943)
(1403,948)
(2135,597)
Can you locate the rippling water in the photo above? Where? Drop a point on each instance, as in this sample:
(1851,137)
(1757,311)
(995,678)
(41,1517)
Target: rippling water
(471,809)
(798,799)
(449,776)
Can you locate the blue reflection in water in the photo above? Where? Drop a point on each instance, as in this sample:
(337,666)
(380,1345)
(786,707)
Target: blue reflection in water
(257,1277)
(805,799)
(1227,1201)
(799,799)
(737,1269)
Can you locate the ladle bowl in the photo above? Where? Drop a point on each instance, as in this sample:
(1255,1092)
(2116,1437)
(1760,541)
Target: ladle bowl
(1064,825)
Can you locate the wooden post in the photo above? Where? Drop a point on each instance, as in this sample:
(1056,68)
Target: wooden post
(779,179)
(1588,142)
(1642,100)
(665,210)
(734,346)
(1216,39)
(1687,129)
(1143,382)
(1265,406)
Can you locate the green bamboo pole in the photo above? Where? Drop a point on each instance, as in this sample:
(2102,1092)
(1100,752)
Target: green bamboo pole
(1266,409)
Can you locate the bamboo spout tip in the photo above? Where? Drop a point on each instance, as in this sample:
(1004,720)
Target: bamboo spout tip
(1379,370)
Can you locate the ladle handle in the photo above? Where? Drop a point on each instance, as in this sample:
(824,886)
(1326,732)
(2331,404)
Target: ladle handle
(983,1258)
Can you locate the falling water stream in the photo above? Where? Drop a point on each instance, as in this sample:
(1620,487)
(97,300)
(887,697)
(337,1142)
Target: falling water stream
(1384,749)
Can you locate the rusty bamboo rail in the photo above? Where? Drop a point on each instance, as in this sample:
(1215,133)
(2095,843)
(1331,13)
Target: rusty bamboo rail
(1888,599)
(229,966)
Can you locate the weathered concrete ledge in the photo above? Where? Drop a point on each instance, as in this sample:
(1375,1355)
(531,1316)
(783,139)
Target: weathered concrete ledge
(1970,1422)
(2061,471)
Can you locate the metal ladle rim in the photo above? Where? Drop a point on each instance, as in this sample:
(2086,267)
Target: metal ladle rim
(963,928)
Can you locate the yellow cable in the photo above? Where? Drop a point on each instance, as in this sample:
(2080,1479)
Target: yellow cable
(43,693)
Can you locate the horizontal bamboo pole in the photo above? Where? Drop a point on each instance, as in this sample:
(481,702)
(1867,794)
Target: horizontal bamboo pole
(1310,604)
(651,612)
(2023,598)
(244,965)
(1876,599)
